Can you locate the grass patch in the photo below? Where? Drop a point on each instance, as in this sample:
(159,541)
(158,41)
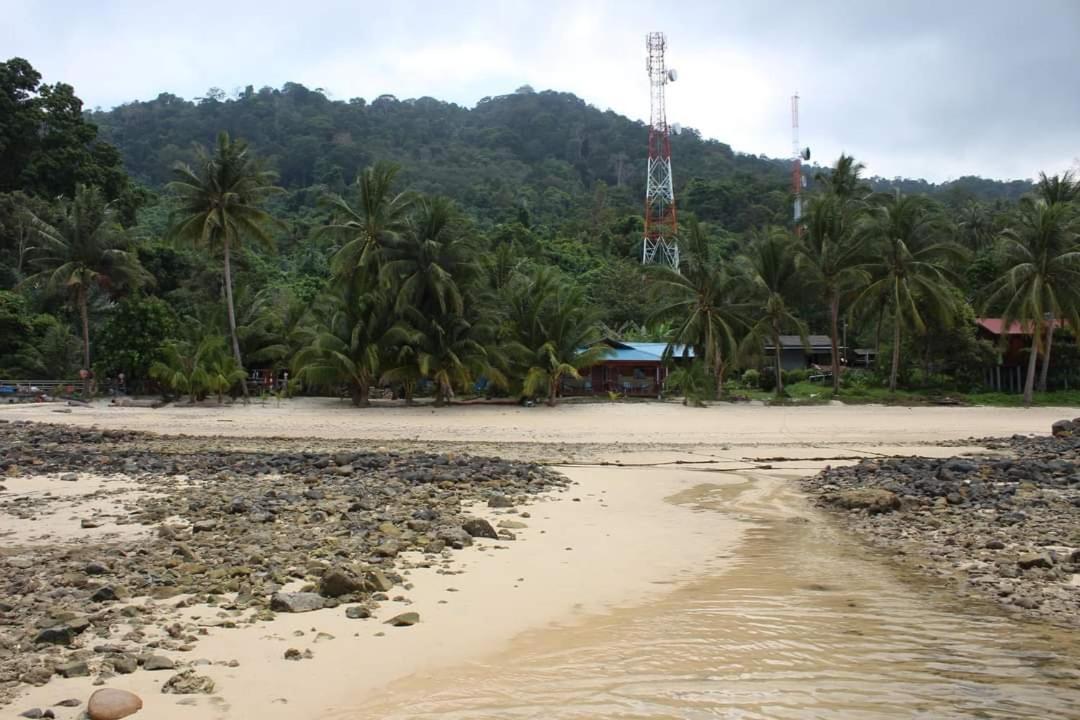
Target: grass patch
(808,393)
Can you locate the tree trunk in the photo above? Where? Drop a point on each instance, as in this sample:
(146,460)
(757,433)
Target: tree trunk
(1029,382)
(360,394)
(84,315)
(719,375)
(777,351)
(895,352)
(232,315)
(1046,356)
(552,394)
(834,312)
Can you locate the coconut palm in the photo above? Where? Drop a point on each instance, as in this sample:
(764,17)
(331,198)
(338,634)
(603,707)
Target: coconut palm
(570,335)
(1043,277)
(908,269)
(844,179)
(184,367)
(84,249)
(774,276)
(706,305)
(376,219)
(975,226)
(349,343)
(218,206)
(1056,189)
(828,259)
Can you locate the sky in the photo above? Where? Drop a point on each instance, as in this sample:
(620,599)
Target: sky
(911,88)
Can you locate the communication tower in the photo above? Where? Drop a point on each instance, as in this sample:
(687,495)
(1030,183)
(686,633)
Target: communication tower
(798,154)
(660,244)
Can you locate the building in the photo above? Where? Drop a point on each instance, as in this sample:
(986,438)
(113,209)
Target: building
(630,368)
(796,356)
(1012,343)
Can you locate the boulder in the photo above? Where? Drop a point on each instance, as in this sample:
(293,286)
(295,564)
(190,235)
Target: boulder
(159,662)
(404,619)
(872,500)
(297,602)
(112,704)
(1065,428)
(357,612)
(339,581)
(500,501)
(75,668)
(478,527)
(1034,560)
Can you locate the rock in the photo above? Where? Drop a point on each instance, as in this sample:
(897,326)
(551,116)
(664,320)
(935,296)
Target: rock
(357,612)
(76,668)
(478,527)
(994,545)
(188,683)
(104,594)
(70,702)
(500,501)
(159,662)
(1034,560)
(124,664)
(112,704)
(404,619)
(204,525)
(872,500)
(512,524)
(96,568)
(293,654)
(376,581)
(338,581)
(296,602)
(63,633)
(32,713)
(89,523)
(1064,428)
(69,477)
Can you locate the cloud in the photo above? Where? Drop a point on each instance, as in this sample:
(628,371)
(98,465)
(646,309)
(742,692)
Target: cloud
(919,89)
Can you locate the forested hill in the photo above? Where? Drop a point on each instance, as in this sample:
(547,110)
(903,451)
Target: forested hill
(543,152)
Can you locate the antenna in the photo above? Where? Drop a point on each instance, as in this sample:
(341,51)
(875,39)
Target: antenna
(659,245)
(796,163)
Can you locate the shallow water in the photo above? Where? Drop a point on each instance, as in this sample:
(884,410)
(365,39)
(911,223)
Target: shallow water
(806,624)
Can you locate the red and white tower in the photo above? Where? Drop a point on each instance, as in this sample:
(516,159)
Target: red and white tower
(660,244)
(798,154)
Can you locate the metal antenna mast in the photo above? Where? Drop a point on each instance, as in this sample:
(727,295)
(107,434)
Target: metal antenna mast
(660,244)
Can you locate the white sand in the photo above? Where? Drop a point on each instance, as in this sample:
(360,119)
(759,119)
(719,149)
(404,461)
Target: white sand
(627,544)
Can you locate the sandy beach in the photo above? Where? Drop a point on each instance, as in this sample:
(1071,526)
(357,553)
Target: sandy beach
(618,538)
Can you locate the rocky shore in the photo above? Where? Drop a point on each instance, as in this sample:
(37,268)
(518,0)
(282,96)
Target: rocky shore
(242,535)
(1005,526)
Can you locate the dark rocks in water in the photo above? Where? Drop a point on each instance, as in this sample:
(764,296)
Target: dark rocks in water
(297,602)
(478,527)
(872,500)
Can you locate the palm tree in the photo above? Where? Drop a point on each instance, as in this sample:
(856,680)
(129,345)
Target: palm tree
(706,304)
(184,365)
(908,270)
(218,205)
(1043,278)
(350,342)
(1057,188)
(774,275)
(844,179)
(975,226)
(376,220)
(84,249)
(570,336)
(828,260)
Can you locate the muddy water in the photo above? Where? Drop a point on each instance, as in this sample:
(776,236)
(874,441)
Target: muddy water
(806,624)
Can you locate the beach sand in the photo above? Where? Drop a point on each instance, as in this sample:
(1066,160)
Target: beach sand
(616,539)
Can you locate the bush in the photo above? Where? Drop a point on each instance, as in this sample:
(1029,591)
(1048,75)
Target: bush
(751,378)
(768,380)
(795,376)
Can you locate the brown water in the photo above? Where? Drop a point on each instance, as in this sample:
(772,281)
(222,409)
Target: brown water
(806,624)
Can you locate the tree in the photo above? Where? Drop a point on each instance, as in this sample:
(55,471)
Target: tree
(183,367)
(1043,277)
(907,269)
(774,276)
(1057,189)
(84,249)
(705,302)
(349,342)
(844,180)
(218,205)
(563,341)
(828,260)
(376,220)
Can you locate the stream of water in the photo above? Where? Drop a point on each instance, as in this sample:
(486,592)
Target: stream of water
(806,624)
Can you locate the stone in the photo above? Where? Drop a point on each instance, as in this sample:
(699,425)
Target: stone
(512,524)
(188,683)
(105,594)
(404,619)
(1034,560)
(124,664)
(112,704)
(96,568)
(872,500)
(32,713)
(89,523)
(296,602)
(336,582)
(76,668)
(994,545)
(500,501)
(70,702)
(357,612)
(63,633)
(159,662)
(376,581)
(69,477)
(293,654)
(478,527)
(1064,428)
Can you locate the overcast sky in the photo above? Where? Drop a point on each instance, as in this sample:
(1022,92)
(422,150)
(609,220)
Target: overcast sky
(918,89)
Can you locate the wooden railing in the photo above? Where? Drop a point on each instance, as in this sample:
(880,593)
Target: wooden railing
(19,390)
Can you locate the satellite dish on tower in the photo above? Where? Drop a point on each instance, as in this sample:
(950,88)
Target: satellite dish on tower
(672,75)
(805,153)
(676,128)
